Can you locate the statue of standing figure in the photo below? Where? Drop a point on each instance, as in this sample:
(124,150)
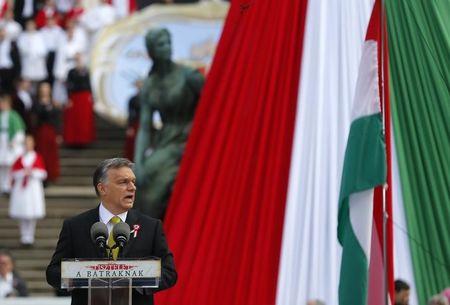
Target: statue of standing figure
(168,100)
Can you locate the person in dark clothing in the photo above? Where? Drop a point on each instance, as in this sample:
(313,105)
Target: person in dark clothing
(401,292)
(47,125)
(11,284)
(114,183)
(25,10)
(10,65)
(23,102)
(80,107)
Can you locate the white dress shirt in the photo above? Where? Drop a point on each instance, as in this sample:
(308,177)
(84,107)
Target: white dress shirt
(5,51)
(106,215)
(6,285)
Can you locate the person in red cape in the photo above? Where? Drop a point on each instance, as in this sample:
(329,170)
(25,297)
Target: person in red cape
(47,122)
(79,129)
(75,12)
(47,11)
(27,202)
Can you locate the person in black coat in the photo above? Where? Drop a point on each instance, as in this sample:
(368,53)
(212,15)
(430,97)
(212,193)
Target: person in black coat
(25,10)
(114,183)
(10,65)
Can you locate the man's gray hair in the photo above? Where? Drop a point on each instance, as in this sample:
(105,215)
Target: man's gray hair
(100,174)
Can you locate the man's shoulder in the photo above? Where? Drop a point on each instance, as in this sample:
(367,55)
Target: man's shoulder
(144,218)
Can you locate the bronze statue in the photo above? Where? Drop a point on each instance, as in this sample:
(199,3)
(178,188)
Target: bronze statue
(168,100)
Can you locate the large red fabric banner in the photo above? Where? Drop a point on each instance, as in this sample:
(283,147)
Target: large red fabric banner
(225,218)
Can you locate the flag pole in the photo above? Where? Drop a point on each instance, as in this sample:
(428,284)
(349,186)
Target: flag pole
(384,121)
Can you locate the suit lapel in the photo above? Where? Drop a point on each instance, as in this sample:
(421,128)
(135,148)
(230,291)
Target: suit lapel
(132,219)
(92,218)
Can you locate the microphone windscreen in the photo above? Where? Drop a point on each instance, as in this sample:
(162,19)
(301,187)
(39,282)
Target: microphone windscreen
(121,229)
(99,229)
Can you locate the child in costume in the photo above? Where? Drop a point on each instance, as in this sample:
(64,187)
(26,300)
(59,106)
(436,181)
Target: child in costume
(27,202)
(12,135)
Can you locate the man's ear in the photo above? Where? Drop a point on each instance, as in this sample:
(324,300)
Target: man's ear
(101,188)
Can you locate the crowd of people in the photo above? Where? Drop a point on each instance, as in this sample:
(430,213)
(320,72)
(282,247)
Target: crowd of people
(44,95)
(44,79)
(45,91)
(44,51)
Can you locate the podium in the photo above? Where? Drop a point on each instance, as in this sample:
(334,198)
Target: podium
(110,282)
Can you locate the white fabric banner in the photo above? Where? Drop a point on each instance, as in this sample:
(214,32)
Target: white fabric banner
(310,256)
(403,268)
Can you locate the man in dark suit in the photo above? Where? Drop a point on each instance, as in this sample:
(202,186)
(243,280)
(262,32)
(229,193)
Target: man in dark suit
(114,183)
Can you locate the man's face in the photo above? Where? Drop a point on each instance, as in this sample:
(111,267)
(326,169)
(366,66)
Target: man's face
(118,192)
(6,265)
(29,143)
(4,104)
(402,297)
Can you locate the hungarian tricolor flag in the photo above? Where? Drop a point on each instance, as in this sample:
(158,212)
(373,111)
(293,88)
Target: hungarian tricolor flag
(364,174)
(316,120)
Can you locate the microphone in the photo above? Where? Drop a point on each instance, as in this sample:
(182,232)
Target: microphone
(121,234)
(99,236)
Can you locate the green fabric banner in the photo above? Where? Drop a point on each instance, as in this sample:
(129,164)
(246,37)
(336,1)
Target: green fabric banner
(419,50)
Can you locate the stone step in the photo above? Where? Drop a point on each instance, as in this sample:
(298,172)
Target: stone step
(54,209)
(111,135)
(35,263)
(100,143)
(68,171)
(117,143)
(85,162)
(74,181)
(101,124)
(47,297)
(40,284)
(32,275)
(64,202)
(13,232)
(42,243)
(88,153)
(85,202)
(34,253)
(70,191)
(42,223)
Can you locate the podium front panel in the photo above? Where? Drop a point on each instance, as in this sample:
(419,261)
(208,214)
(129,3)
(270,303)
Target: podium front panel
(110,274)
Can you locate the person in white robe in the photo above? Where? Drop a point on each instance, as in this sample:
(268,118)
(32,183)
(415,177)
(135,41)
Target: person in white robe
(96,18)
(12,27)
(27,203)
(12,135)
(53,36)
(74,41)
(33,54)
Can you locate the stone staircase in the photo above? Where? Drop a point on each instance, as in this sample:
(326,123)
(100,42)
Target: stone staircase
(71,195)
